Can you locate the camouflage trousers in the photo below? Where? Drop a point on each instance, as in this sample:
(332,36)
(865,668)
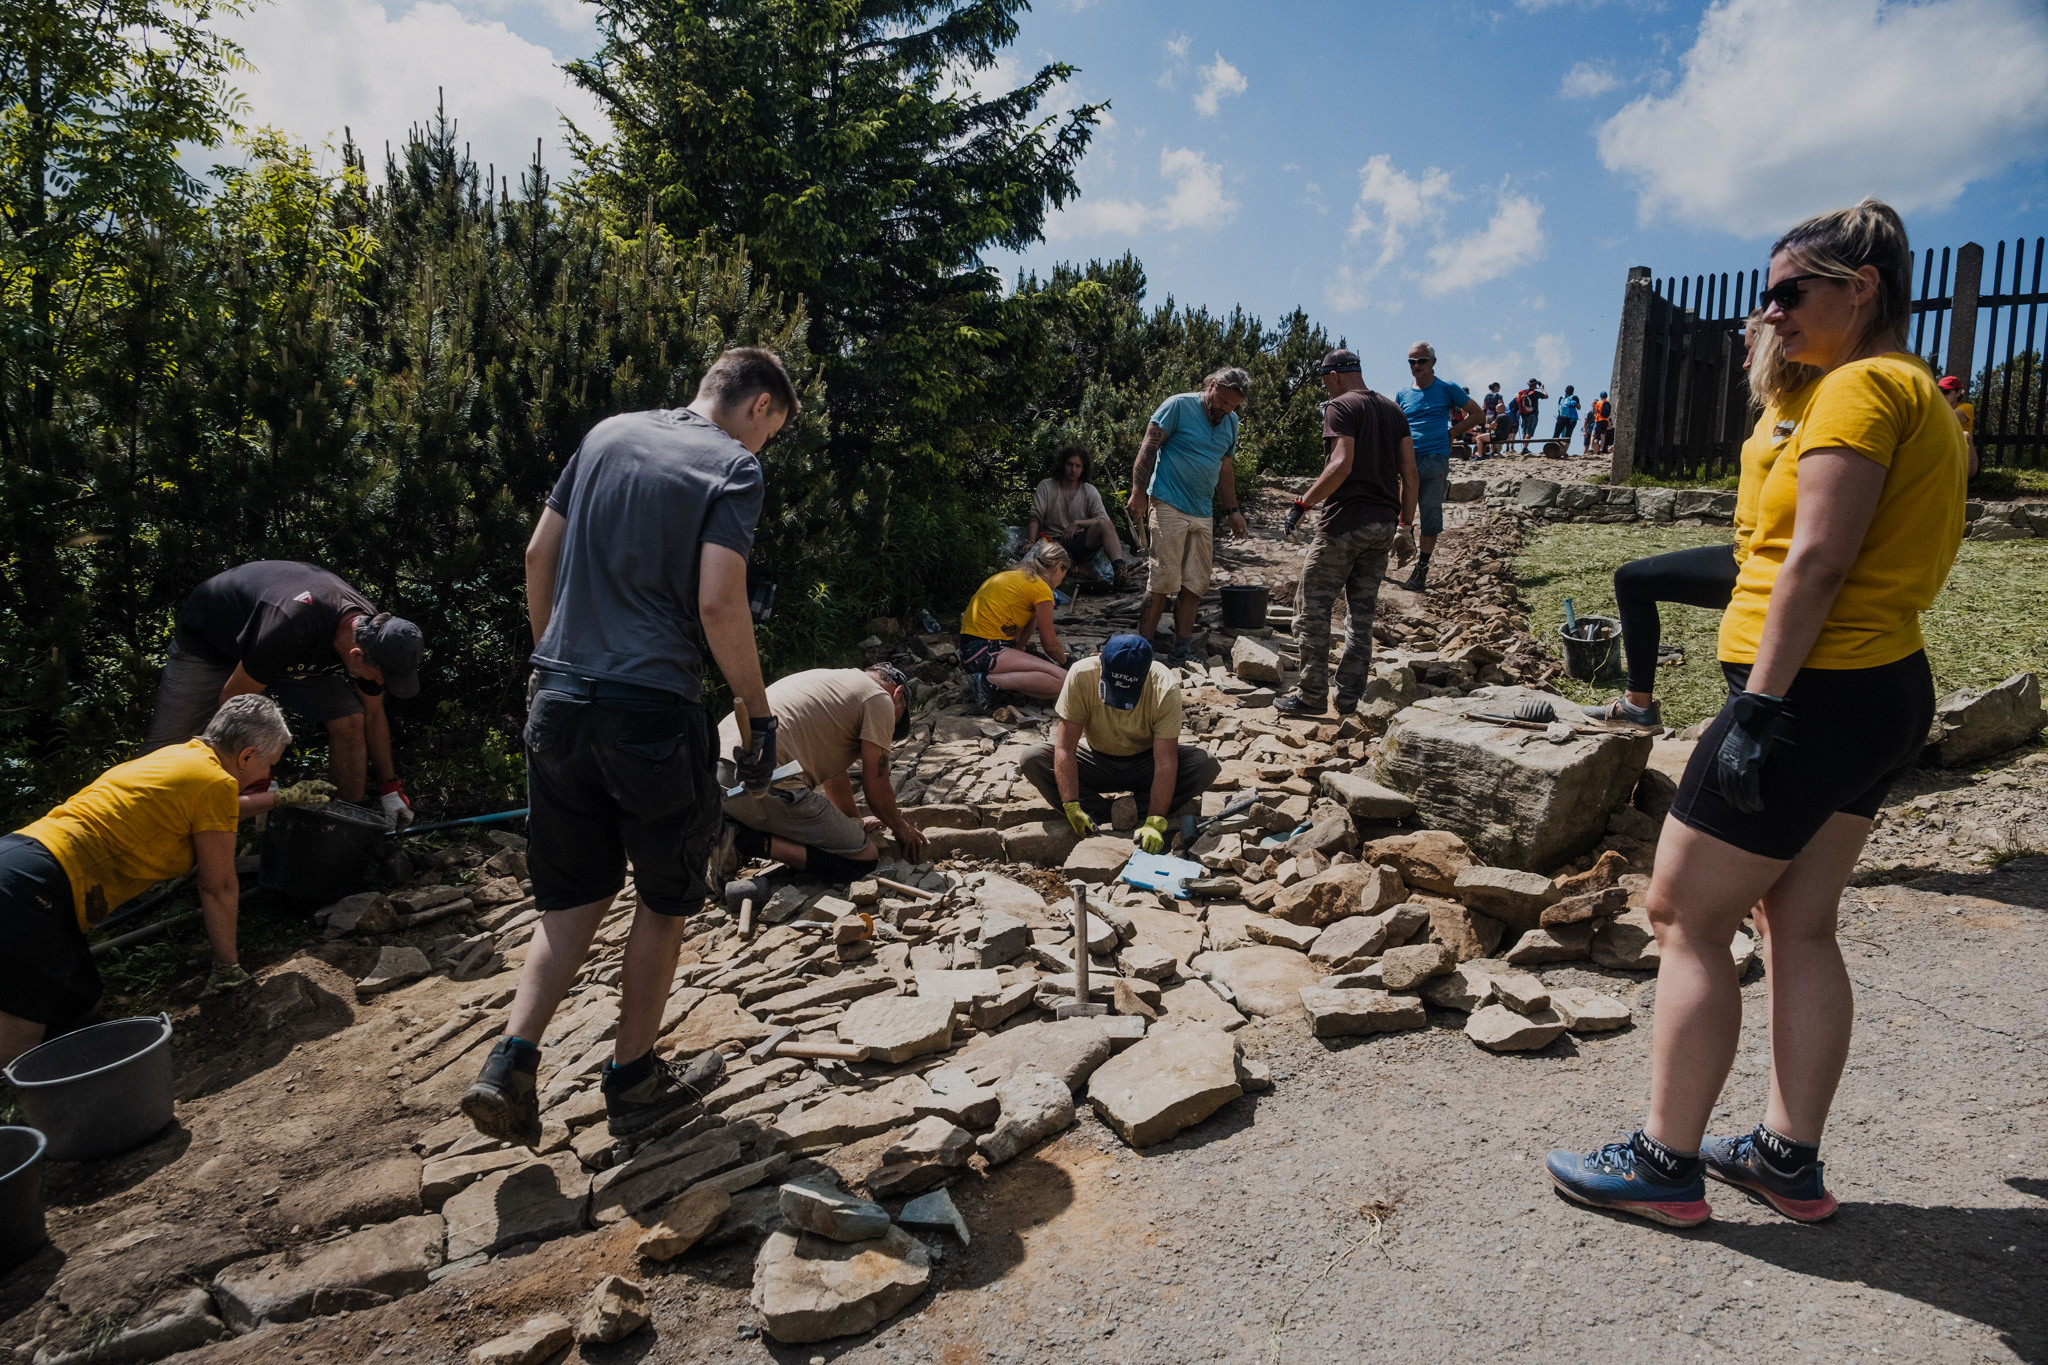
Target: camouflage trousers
(1351,563)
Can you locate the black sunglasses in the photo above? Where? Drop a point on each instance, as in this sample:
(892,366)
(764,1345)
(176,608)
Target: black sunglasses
(1786,293)
(1426,360)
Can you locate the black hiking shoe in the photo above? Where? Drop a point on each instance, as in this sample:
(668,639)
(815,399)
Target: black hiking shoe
(670,1091)
(1294,704)
(503,1103)
(983,692)
(1417,581)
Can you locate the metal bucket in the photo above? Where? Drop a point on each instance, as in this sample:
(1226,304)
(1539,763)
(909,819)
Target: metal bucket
(100,1091)
(322,852)
(1244,606)
(21,1195)
(1594,654)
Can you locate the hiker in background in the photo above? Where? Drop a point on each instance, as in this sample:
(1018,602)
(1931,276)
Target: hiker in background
(1567,418)
(827,719)
(1953,389)
(1489,420)
(1528,405)
(1008,610)
(139,823)
(641,550)
(301,633)
(1504,423)
(1705,575)
(1438,411)
(1119,731)
(1183,465)
(1830,696)
(1067,507)
(1367,493)
(1600,426)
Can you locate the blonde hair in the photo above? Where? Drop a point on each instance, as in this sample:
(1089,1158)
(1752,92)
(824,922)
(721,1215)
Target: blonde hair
(1772,378)
(1043,557)
(1837,245)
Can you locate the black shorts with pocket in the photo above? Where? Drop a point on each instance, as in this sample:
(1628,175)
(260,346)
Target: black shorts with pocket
(1846,736)
(47,974)
(608,781)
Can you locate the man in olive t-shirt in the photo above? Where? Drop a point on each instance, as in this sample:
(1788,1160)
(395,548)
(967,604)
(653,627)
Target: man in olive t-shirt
(1369,481)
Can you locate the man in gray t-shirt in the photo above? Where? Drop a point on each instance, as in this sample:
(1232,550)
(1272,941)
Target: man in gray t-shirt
(642,546)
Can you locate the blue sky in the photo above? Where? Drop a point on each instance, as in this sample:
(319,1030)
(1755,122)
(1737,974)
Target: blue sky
(1481,176)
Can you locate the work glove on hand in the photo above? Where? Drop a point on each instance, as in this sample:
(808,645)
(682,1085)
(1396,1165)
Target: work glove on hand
(1151,836)
(224,977)
(1404,545)
(757,770)
(392,797)
(1294,516)
(1078,819)
(312,792)
(1747,744)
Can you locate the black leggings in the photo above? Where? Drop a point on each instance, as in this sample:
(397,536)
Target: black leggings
(1704,577)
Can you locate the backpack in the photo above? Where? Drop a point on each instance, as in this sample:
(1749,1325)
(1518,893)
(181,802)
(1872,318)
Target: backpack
(1492,403)
(1525,401)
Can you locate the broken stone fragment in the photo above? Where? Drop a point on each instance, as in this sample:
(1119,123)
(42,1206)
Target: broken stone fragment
(1147,962)
(1070,1049)
(1098,860)
(1585,1010)
(1279,933)
(364,913)
(616,1308)
(957,1099)
(832,1213)
(851,1117)
(1126,998)
(935,1210)
(1467,986)
(932,1139)
(1521,992)
(810,1288)
(1605,903)
(1364,800)
(1034,1107)
(533,1343)
(1003,938)
(1255,662)
(1430,859)
(1171,1080)
(895,1028)
(395,967)
(1467,933)
(1515,898)
(1265,981)
(684,1223)
(1343,1013)
(1628,942)
(1342,891)
(1499,1029)
(361,1270)
(1559,943)
(1404,969)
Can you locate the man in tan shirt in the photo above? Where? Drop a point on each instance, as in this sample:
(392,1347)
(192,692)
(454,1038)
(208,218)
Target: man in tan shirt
(1069,508)
(828,718)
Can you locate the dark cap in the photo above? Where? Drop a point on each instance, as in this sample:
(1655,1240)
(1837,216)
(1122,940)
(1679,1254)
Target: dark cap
(1340,362)
(889,675)
(1126,663)
(396,646)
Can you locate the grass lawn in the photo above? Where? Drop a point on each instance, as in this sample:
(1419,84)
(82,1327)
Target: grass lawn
(1990,622)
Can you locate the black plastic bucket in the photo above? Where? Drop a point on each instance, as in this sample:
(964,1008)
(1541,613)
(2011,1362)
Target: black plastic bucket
(21,1195)
(1594,654)
(321,853)
(1244,606)
(100,1091)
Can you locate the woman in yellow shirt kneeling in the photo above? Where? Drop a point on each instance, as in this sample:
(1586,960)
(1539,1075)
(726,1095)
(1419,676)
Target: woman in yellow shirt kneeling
(1829,700)
(1000,621)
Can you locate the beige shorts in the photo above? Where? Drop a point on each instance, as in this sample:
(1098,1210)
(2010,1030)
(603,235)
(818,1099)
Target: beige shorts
(1183,550)
(802,815)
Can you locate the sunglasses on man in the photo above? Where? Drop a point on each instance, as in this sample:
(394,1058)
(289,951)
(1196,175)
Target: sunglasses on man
(1786,293)
(1415,364)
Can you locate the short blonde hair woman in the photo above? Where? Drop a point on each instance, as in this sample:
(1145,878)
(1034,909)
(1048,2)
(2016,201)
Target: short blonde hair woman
(1829,699)
(1010,607)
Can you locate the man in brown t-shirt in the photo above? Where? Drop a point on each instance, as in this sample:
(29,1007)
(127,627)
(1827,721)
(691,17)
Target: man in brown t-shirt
(1368,484)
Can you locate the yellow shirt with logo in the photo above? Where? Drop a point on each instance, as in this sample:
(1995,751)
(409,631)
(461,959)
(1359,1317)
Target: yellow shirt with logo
(133,827)
(1767,441)
(1004,605)
(1886,409)
(1120,734)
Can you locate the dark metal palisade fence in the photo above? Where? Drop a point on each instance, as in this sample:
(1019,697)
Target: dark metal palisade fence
(1682,406)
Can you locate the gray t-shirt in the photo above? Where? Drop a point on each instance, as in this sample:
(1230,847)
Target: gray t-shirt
(642,495)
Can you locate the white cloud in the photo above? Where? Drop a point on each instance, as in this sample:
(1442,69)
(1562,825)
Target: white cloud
(1219,79)
(1548,356)
(1782,111)
(1176,58)
(1177,46)
(1392,203)
(1552,355)
(1512,238)
(351,62)
(1197,200)
(1585,80)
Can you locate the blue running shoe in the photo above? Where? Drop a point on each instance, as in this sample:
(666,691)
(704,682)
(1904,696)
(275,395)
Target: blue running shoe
(1736,1161)
(1612,1178)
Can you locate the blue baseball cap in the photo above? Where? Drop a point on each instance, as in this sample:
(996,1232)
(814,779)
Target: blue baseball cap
(1126,662)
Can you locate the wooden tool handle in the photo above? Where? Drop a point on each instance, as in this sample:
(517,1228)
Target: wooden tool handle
(746,724)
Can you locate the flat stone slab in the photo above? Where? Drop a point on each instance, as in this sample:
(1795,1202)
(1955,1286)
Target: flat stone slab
(1514,897)
(1404,969)
(1278,933)
(395,966)
(895,1028)
(1266,981)
(1070,1049)
(1429,859)
(683,1223)
(1365,800)
(1628,942)
(1344,1013)
(1169,1081)
(851,1117)
(1559,943)
(1098,860)
(811,1288)
(361,1270)
(1585,1010)
(832,1213)
(1192,1002)
(1338,893)
(537,1202)
(1035,1105)
(713,1020)
(1499,1029)
(535,1341)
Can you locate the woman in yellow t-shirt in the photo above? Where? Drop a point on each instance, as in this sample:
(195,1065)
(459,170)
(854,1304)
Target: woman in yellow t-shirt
(1705,575)
(1000,621)
(1830,697)
(139,823)
(1953,389)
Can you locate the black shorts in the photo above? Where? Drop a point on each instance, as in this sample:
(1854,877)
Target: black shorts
(608,781)
(978,655)
(47,974)
(1847,734)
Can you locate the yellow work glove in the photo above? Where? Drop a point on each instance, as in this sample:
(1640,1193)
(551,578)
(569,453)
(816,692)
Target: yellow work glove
(312,792)
(1078,818)
(225,976)
(1151,836)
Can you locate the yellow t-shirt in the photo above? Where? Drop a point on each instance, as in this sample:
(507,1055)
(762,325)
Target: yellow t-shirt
(1120,734)
(1966,413)
(1004,605)
(133,827)
(1767,440)
(1885,408)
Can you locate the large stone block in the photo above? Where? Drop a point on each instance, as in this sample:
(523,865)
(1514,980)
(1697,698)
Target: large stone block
(361,1270)
(1365,801)
(1338,893)
(1516,804)
(1970,725)
(1044,841)
(537,1202)
(1428,860)
(811,1288)
(1254,662)
(1344,1013)
(1266,981)
(1170,1080)
(1515,898)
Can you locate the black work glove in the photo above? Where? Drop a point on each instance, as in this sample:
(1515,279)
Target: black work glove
(1744,749)
(1294,516)
(757,770)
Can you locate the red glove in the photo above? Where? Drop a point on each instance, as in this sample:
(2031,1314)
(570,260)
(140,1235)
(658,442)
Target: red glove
(392,796)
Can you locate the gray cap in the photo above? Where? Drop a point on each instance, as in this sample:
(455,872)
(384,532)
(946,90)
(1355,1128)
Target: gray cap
(396,646)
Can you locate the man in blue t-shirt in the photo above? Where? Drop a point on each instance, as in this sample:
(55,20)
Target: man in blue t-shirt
(1567,418)
(1436,410)
(1182,465)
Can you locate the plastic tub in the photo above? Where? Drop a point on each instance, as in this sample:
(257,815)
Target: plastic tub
(1594,654)
(321,853)
(100,1091)
(1244,606)
(21,1195)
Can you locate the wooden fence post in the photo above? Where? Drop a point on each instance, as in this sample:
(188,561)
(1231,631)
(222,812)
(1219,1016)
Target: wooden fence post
(1626,391)
(1962,316)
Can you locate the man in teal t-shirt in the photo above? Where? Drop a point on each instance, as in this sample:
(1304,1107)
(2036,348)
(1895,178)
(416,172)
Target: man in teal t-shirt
(1436,410)
(1184,460)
